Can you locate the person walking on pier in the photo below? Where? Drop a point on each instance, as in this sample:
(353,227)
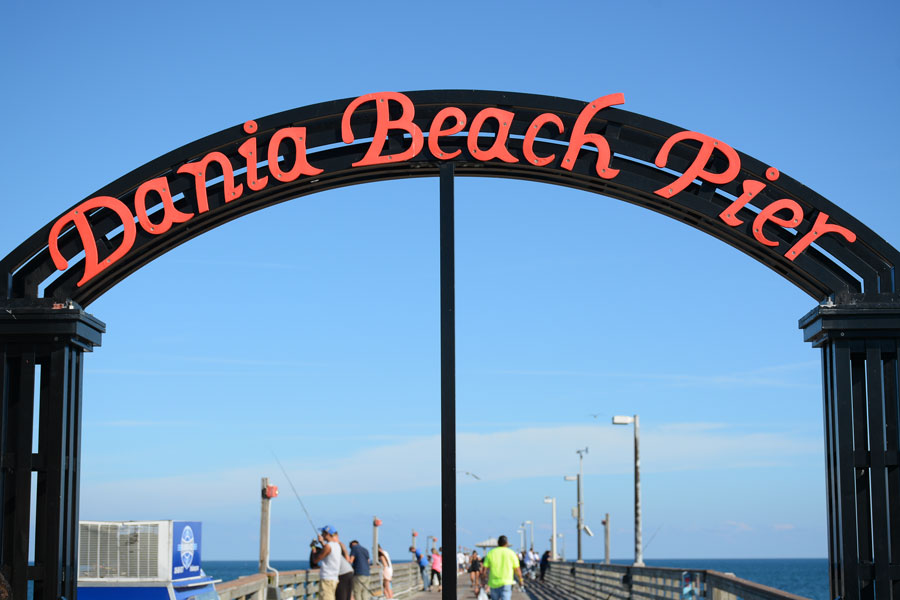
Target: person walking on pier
(359,558)
(387,571)
(502,566)
(475,572)
(437,562)
(420,560)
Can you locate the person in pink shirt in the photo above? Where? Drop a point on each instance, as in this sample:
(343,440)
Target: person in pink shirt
(436,566)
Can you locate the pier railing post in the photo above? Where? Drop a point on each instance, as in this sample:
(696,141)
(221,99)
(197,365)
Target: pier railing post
(860,336)
(52,336)
(264,521)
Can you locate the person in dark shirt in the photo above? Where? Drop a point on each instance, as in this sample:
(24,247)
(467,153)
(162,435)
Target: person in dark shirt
(359,558)
(545,563)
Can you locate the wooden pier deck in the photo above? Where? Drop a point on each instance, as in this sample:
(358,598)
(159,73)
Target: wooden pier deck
(464,591)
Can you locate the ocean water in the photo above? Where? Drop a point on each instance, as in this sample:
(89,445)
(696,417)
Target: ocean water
(229,570)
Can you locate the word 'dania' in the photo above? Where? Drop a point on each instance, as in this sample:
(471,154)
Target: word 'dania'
(450,121)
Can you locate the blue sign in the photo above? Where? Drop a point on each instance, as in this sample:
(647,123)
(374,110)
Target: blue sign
(185,549)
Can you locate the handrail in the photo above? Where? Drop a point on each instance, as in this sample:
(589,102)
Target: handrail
(594,581)
(304,585)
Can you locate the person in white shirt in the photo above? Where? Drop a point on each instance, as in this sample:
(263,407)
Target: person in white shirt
(329,559)
(533,560)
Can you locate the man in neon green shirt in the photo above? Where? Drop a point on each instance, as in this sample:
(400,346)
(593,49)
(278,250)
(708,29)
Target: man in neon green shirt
(502,564)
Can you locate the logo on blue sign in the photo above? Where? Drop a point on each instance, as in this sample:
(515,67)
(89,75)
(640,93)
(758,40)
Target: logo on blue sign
(187,547)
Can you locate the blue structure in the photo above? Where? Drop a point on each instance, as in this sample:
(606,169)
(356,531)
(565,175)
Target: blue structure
(142,560)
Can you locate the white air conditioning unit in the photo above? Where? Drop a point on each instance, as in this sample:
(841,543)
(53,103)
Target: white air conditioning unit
(127,555)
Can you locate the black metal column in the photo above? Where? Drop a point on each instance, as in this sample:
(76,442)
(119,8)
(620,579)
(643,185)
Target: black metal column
(53,336)
(448,382)
(860,339)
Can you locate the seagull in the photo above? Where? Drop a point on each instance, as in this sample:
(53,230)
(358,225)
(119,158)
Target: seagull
(473,475)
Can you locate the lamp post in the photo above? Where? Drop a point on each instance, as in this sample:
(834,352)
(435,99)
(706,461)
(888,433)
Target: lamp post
(549,500)
(521,531)
(531,538)
(580,511)
(563,538)
(638,546)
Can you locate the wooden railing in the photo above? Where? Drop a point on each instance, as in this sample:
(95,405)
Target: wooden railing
(591,581)
(304,585)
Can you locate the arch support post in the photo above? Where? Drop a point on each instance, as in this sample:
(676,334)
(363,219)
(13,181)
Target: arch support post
(859,335)
(41,349)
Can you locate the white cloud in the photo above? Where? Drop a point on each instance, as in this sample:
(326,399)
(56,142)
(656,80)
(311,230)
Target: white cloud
(737,527)
(500,456)
(778,376)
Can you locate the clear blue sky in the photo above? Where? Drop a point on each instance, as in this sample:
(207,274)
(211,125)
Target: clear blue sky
(311,329)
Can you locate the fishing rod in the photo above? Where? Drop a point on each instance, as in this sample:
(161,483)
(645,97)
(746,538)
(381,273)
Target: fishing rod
(653,536)
(303,506)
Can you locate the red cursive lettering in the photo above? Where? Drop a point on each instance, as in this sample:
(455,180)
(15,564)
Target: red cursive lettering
(579,138)
(435,132)
(78,216)
(198,170)
(697,169)
(751,189)
(531,134)
(251,154)
(384,124)
(498,149)
(160,186)
(768,214)
(301,166)
(819,228)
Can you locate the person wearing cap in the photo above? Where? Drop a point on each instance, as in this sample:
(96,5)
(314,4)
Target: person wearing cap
(329,560)
(502,566)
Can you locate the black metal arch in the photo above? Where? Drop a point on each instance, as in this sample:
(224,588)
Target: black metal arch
(857,323)
(831,267)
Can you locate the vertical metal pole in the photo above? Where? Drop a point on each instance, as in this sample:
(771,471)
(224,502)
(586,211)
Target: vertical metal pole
(580,507)
(606,539)
(553,554)
(373,557)
(638,544)
(18,425)
(448,369)
(264,528)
